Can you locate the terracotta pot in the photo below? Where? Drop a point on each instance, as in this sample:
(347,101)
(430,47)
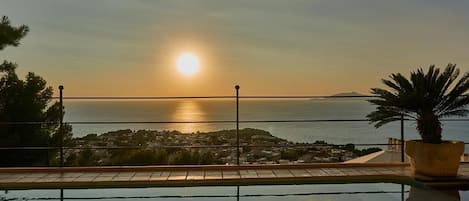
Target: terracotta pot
(436,160)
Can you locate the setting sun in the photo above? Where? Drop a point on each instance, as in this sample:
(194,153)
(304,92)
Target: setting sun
(188,63)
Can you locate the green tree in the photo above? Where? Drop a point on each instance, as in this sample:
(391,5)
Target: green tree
(425,97)
(10,35)
(87,158)
(27,100)
(140,157)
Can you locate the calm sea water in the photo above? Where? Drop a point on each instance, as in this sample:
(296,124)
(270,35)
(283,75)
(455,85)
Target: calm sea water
(206,110)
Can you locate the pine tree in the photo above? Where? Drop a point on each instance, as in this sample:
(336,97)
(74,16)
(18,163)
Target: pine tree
(27,100)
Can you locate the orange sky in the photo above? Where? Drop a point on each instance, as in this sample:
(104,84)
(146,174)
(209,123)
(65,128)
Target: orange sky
(129,48)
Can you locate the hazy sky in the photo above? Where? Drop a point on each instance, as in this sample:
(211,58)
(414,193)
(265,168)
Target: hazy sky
(294,47)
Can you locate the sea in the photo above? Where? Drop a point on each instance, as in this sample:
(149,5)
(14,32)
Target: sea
(108,112)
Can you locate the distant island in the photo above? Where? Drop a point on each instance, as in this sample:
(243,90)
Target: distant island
(152,147)
(349,94)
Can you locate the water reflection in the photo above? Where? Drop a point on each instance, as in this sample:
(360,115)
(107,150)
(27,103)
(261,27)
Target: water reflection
(343,192)
(188,111)
(418,194)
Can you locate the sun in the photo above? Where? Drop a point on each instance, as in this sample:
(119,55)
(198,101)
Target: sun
(188,64)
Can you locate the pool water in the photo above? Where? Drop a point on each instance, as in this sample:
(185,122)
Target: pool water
(332,192)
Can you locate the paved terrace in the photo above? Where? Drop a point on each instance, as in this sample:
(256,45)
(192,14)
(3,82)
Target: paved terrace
(179,176)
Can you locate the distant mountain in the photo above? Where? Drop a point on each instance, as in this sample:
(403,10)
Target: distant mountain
(349,94)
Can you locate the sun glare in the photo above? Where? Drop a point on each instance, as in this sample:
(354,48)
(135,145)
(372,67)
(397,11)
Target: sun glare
(188,63)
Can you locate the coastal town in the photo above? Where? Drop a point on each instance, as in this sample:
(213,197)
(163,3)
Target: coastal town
(151,147)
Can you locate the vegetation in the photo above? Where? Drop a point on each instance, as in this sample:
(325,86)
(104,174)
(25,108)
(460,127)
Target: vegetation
(152,147)
(11,35)
(425,97)
(27,100)
(145,156)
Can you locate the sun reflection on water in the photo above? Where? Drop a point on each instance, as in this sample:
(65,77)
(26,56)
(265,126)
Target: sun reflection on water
(188,110)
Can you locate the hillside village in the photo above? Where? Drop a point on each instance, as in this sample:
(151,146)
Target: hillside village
(127,147)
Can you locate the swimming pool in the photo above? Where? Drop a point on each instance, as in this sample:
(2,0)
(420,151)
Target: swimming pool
(333,192)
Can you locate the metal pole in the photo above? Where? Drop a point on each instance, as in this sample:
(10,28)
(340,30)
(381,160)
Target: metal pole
(61,133)
(237,124)
(402,137)
(237,193)
(61,194)
(402,192)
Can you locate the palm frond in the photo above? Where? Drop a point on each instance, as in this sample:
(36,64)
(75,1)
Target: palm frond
(402,81)
(393,85)
(384,114)
(459,103)
(458,91)
(458,112)
(384,94)
(447,78)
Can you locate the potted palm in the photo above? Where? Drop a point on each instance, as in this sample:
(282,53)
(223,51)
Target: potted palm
(425,98)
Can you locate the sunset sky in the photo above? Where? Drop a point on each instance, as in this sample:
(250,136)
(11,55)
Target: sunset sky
(294,47)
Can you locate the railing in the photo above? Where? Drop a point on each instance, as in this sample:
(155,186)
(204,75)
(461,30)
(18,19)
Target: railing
(399,143)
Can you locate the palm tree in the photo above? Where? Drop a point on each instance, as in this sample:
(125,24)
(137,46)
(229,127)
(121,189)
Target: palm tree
(425,98)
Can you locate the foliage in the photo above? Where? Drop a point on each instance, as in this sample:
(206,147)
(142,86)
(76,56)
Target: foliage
(85,157)
(10,35)
(425,97)
(162,157)
(139,157)
(27,100)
